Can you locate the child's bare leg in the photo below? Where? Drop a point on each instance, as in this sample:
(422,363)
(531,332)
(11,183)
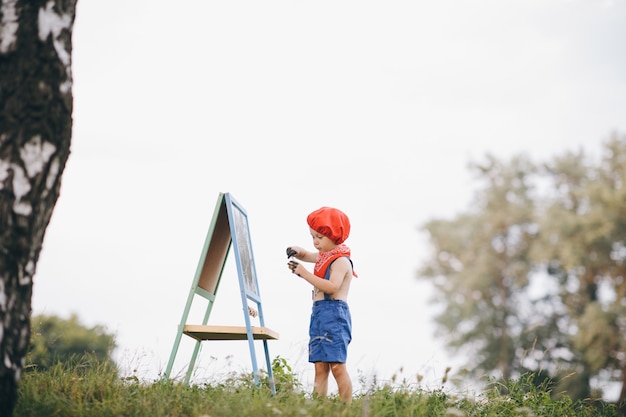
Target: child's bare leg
(344,383)
(320,386)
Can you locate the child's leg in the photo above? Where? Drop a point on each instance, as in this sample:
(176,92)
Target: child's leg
(344,384)
(320,386)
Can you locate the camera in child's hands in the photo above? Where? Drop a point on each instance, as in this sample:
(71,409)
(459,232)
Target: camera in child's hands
(291,252)
(292,265)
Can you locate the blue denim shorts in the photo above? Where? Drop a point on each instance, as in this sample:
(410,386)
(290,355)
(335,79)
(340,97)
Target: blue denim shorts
(330,331)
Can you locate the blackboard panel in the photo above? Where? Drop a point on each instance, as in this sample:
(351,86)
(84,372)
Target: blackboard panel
(215,254)
(240,233)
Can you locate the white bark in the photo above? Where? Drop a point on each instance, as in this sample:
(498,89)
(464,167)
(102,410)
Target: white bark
(8,26)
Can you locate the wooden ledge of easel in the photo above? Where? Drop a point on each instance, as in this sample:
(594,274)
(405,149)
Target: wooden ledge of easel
(204,332)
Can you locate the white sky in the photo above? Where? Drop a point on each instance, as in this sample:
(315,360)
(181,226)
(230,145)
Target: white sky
(374,107)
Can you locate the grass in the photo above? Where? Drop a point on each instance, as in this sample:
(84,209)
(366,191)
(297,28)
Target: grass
(88,390)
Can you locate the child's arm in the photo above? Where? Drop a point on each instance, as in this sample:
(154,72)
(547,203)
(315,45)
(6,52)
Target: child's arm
(338,271)
(302,254)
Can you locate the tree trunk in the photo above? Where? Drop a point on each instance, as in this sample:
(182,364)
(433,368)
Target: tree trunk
(35,133)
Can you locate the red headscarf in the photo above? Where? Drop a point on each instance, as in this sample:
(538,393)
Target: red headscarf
(330,222)
(335,225)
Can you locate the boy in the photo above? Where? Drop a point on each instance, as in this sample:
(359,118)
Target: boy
(330,329)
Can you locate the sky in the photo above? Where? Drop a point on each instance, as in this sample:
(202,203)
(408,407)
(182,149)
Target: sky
(373,107)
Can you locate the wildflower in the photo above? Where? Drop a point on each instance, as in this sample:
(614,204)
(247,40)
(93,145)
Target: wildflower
(455,412)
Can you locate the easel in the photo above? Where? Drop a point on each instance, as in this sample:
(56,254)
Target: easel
(229,225)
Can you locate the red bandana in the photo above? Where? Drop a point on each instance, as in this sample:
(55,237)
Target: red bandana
(324,259)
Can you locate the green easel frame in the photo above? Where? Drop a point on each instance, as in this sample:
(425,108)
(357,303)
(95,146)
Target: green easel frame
(229,227)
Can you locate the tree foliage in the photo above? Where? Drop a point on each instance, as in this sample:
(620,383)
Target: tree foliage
(531,277)
(481,264)
(55,340)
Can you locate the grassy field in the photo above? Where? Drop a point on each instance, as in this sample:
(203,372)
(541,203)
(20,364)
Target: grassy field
(93,390)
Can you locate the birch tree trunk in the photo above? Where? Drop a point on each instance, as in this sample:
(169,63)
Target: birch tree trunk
(35,133)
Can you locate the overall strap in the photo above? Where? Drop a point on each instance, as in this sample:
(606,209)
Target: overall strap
(327,276)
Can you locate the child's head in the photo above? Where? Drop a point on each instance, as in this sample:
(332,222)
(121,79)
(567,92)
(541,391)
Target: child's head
(330,222)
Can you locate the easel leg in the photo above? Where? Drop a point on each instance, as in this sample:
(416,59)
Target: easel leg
(192,363)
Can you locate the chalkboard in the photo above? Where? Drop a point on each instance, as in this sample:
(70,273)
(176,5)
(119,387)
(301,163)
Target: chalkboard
(240,233)
(214,253)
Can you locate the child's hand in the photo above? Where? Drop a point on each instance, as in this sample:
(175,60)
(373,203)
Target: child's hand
(293,265)
(296,251)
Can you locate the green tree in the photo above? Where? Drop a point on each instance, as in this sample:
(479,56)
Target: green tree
(35,132)
(583,244)
(480,265)
(55,340)
(532,278)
